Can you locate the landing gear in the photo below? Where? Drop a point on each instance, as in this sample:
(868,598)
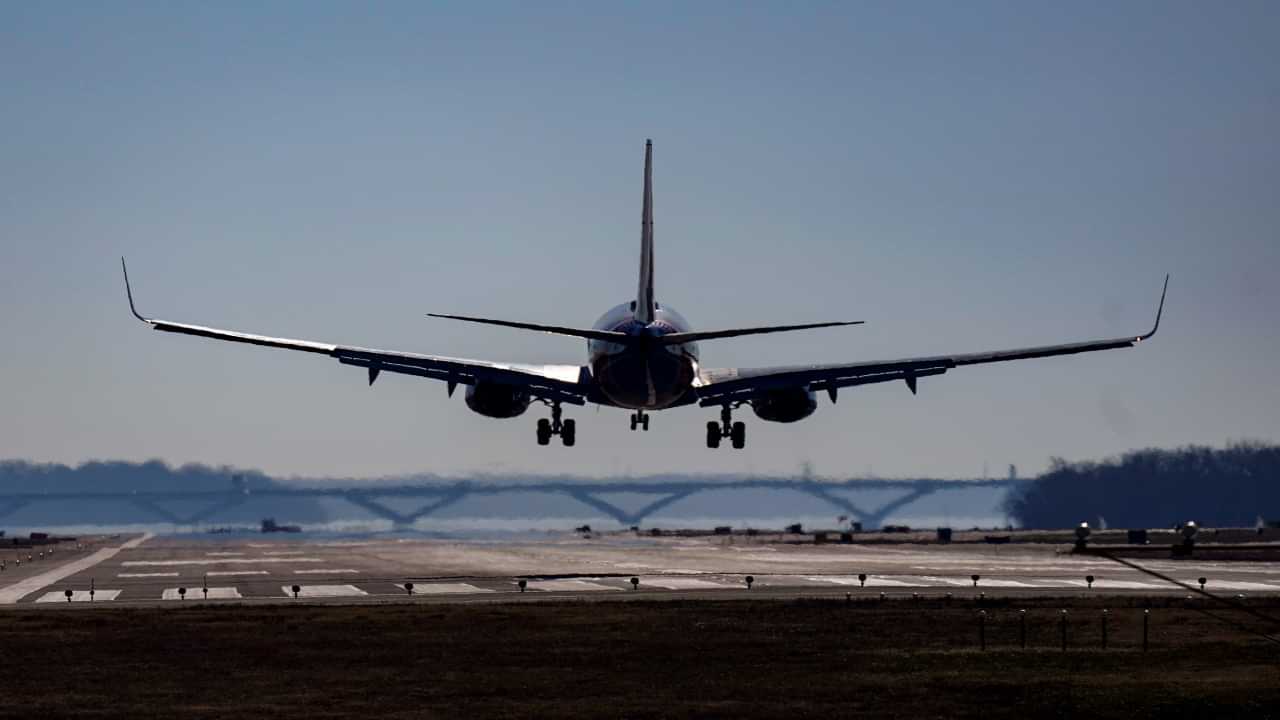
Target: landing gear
(726,428)
(640,419)
(566,429)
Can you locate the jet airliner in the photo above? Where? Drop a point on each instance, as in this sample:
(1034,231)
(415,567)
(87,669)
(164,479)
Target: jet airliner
(643,356)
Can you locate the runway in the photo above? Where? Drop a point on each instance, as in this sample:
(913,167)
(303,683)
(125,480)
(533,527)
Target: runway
(146,570)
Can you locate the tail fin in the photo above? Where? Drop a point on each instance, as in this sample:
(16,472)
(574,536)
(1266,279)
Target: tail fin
(645,303)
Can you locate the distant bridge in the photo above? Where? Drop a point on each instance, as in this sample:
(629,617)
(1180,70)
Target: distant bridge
(432,498)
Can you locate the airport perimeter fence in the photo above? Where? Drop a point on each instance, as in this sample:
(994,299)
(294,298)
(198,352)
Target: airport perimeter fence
(1116,623)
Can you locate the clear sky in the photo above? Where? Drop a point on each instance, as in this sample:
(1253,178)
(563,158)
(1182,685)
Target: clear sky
(962,176)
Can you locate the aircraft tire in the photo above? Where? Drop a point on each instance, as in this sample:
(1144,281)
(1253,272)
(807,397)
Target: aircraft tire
(713,434)
(569,433)
(738,435)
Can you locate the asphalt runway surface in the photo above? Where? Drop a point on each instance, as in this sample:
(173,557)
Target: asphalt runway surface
(245,568)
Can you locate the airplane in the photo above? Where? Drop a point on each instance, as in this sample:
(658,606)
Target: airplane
(643,356)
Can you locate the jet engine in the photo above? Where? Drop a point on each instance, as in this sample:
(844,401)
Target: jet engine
(496,400)
(785,406)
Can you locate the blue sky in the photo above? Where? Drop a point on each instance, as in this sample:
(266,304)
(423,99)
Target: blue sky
(961,176)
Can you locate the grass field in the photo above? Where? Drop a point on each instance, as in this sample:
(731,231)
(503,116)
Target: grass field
(749,658)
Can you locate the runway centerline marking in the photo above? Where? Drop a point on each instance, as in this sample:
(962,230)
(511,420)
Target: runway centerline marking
(22,588)
(225,573)
(146,575)
(322,571)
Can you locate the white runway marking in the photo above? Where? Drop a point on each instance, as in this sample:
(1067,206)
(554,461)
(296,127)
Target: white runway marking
(687,584)
(323,591)
(227,573)
(444,588)
(983,582)
(146,575)
(224,554)
(59,596)
(1235,585)
(1109,584)
(195,593)
(22,588)
(323,571)
(872,581)
(284,552)
(218,561)
(567,585)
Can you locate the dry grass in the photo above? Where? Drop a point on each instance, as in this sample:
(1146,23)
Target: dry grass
(749,658)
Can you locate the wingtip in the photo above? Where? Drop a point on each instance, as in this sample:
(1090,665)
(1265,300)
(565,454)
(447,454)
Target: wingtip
(129,291)
(1164,291)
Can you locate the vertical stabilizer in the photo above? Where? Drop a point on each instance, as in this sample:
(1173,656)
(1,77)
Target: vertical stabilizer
(645,305)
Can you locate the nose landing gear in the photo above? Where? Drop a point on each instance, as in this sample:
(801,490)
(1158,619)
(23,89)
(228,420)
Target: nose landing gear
(640,419)
(567,429)
(726,428)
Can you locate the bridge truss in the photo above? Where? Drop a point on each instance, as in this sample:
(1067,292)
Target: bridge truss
(426,500)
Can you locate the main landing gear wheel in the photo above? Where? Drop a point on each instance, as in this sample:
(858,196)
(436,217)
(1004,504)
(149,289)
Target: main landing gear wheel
(726,428)
(640,419)
(566,429)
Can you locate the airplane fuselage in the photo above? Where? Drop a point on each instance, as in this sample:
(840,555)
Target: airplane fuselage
(643,377)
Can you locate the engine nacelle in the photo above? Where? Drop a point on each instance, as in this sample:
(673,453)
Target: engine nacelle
(785,406)
(496,400)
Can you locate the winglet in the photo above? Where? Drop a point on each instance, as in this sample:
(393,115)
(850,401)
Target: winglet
(129,291)
(1159,312)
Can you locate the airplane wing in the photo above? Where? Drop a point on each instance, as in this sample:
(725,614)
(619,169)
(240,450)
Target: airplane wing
(562,383)
(732,385)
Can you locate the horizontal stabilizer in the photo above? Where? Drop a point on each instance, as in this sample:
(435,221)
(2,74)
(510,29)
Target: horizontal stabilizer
(606,335)
(695,336)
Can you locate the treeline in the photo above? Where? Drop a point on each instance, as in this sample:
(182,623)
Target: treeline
(1232,486)
(18,477)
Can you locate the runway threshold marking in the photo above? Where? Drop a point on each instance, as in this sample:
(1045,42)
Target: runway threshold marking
(59,596)
(1109,584)
(445,588)
(983,582)
(1237,585)
(324,591)
(568,586)
(686,584)
(872,581)
(195,593)
(218,561)
(13,593)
